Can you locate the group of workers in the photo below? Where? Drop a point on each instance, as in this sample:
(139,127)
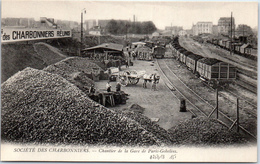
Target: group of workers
(92,89)
(108,87)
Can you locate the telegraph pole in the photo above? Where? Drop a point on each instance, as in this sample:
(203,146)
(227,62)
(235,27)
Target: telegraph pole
(231,36)
(81,31)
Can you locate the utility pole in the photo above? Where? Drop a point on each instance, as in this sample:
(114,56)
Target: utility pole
(81,31)
(126,31)
(231,36)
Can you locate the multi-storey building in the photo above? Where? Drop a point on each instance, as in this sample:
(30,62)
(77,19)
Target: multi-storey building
(202,28)
(90,24)
(224,25)
(18,22)
(175,29)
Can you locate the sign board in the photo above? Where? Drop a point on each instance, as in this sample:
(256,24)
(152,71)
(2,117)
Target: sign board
(14,35)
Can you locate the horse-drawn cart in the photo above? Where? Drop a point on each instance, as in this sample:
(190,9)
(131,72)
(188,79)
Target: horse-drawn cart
(132,77)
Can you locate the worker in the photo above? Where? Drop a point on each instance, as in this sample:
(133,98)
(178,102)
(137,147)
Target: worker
(154,81)
(92,89)
(118,86)
(126,64)
(144,84)
(108,86)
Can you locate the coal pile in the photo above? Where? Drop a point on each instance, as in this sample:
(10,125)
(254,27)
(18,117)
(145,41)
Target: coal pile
(86,66)
(150,126)
(48,54)
(136,108)
(41,107)
(72,74)
(204,131)
(16,57)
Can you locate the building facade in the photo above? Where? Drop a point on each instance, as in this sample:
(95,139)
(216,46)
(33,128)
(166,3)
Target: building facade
(224,25)
(90,24)
(202,28)
(175,29)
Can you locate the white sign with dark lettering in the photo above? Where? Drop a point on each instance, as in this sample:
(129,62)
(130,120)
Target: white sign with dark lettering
(14,35)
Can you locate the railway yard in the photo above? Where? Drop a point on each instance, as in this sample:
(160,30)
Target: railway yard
(180,97)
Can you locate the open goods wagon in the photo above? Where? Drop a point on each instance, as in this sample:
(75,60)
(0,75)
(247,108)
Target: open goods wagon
(180,53)
(191,61)
(184,55)
(215,71)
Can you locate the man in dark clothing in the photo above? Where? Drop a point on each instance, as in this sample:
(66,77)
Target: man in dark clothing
(118,87)
(108,87)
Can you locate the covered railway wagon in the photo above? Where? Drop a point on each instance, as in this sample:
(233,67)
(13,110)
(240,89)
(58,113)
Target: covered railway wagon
(191,61)
(214,71)
(159,52)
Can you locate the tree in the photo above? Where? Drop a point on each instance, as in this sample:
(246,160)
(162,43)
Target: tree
(244,30)
(123,27)
(112,26)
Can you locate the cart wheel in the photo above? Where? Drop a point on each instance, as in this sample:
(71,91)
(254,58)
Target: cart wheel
(123,81)
(133,81)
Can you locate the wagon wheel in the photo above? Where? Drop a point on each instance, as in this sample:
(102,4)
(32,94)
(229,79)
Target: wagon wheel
(133,81)
(123,80)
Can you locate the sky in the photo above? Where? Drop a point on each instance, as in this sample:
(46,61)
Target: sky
(162,13)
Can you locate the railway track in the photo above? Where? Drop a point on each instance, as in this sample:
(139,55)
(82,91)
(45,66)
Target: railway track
(243,102)
(195,103)
(247,85)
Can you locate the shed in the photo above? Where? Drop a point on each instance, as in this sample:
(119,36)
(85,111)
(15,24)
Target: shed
(245,49)
(105,50)
(144,53)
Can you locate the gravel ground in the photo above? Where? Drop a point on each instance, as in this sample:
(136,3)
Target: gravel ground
(158,104)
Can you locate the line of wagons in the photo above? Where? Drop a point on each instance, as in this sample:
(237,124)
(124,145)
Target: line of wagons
(246,50)
(210,70)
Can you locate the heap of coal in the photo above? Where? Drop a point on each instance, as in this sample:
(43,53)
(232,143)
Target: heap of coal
(204,131)
(42,107)
(71,73)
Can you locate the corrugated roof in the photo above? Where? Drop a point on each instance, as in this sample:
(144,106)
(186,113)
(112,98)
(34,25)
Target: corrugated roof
(143,49)
(109,46)
(138,43)
(246,46)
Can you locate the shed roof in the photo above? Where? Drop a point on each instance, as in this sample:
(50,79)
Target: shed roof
(209,61)
(107,46)
(246,46)
(138,43)
(143,49)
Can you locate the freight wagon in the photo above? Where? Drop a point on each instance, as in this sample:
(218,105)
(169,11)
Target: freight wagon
(215,71)
(179,52)
(191,61)
(184,55)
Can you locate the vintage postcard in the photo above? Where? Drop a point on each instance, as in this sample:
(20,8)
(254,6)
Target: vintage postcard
(129,81)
